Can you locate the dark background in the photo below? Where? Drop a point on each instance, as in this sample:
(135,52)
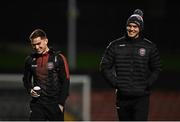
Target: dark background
(98,23)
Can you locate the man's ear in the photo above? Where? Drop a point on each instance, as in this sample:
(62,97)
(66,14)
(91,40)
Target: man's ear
(46,41)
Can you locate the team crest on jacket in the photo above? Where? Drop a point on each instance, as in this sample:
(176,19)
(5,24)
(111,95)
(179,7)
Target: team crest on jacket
(50,65)
(142,51)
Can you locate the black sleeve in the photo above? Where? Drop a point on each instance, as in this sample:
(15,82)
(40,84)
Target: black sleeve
(65,78)
(154,65)
(27,75)
(106,66)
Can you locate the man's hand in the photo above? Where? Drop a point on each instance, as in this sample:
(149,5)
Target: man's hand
(34,94)
(61,108)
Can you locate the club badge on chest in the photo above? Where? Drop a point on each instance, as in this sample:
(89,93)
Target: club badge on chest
(142,51)
(50,65)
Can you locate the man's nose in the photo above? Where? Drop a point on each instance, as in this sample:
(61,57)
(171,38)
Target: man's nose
(36,46)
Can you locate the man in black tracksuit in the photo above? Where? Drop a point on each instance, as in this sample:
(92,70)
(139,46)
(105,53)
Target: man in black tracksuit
(48,70)
(131,64)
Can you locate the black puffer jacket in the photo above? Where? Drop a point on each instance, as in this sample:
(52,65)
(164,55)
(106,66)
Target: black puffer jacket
(131,66)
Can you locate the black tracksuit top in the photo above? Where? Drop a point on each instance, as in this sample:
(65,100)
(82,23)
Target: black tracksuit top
(50,72)
(131,66)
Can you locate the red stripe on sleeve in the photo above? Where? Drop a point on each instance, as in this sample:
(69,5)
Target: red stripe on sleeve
(66,66)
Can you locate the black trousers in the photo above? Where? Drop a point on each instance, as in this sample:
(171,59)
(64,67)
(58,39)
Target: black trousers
(132,108)
(45,112)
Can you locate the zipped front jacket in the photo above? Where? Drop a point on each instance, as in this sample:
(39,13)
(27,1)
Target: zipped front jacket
(50,72)
(131,65)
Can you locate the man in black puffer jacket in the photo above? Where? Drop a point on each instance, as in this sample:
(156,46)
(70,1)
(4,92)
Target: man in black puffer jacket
(48,70)
(131,64)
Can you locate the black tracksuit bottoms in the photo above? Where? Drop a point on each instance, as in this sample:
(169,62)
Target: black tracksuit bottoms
(132,108)
(45,112)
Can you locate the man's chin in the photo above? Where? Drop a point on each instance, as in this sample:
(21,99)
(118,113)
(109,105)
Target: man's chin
(38,52)
(132,36)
